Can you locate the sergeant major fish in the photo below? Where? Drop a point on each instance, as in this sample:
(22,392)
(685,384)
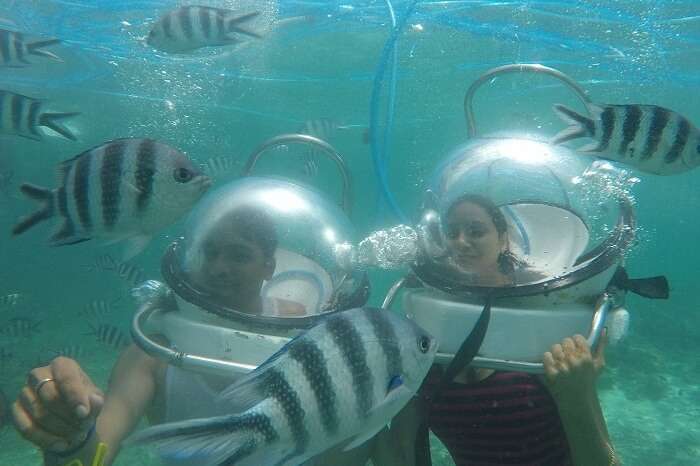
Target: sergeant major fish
(123,189)
(340,381)
(192,27)
(650,138)
(15,49)
(21,116)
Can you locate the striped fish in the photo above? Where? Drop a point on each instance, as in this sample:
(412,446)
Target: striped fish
(123,189)
(9,300)
(130,273)
(6,177)
(70,351)
(221,166)
(97,309)
(15,49)
(109,335)
(104,263)
(341,381)
(20,327)
(322,128)
(192,27)
(650,138)
(22,116)
(4,407)
(6,356)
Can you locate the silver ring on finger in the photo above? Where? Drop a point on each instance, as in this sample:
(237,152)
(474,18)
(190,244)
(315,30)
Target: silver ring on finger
(41,383)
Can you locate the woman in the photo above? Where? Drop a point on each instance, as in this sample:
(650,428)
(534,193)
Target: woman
(486,417)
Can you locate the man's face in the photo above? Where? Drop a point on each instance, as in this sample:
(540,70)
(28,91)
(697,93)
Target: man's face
(234,268)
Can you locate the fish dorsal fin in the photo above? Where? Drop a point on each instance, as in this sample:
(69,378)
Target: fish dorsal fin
(65,166)
(595,110)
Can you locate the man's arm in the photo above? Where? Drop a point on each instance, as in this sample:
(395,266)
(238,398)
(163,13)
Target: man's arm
(396,445)
(58,418)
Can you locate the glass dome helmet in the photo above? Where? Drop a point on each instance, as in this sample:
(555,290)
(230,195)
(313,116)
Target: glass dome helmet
(269,239)
(512,215)
(521,214)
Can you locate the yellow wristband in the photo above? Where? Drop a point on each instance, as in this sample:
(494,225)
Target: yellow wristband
(97,460)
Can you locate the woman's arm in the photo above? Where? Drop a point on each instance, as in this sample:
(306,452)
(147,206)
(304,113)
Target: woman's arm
(570,374)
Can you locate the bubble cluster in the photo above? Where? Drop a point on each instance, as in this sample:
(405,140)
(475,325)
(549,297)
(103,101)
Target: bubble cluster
(386,249)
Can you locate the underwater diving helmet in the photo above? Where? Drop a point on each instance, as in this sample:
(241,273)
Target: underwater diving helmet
(562,228)
(254,267)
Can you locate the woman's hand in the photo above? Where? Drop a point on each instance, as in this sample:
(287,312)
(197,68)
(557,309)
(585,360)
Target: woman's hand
(571,370)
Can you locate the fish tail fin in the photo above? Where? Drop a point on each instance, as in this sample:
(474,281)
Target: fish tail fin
(35,48)
(579,125)
(217,440)
(649,287)
(50,121)
(47,210)
(233,22)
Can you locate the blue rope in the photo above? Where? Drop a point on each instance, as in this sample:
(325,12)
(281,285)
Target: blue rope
(379,150)
(391,106)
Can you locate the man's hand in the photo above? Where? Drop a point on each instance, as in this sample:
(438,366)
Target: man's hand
(58,406)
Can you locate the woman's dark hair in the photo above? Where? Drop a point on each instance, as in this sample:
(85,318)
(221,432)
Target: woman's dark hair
(256,226)
(507,261)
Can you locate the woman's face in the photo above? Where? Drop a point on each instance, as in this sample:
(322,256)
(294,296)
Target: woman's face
(473,239)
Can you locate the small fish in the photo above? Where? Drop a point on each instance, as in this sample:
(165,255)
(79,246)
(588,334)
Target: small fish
(15,49)
(9,300)
(7,174)
(109,335)
(126,189)
(131,273)
(22,116)
(6,182)
(322,128)
(221,166)
(70,351)
(20,327)
(650,138)
(6,357)
(104,263)
(192,27)
(4,410)
(342,380)
(97,309)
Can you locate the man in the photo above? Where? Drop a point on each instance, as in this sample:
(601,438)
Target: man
(65,414)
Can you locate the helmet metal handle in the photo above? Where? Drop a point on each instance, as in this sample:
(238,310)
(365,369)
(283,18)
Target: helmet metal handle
(516,68)
(325,149)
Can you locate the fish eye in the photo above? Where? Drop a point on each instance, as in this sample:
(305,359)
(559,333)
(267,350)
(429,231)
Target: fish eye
(182,175)
(424,344)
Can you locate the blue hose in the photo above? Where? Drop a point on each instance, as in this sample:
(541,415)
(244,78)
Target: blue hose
(379,150)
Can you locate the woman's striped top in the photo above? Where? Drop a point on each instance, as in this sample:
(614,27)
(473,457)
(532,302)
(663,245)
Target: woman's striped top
(508,418)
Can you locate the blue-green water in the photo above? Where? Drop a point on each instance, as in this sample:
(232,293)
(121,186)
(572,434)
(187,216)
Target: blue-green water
(224,102)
